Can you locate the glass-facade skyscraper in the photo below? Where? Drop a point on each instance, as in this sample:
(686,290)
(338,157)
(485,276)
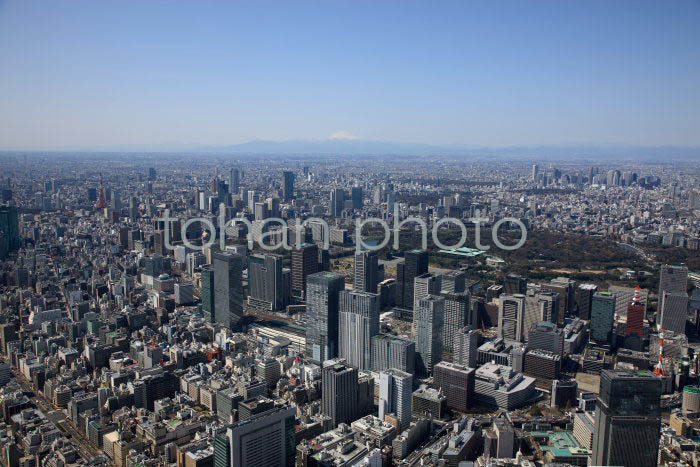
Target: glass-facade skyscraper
(358,323)
(603,318)
(628,419)
(415,264)
(228,289)
(323,293)
(208,301)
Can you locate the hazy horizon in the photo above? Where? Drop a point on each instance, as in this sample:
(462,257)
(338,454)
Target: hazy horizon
(86,74)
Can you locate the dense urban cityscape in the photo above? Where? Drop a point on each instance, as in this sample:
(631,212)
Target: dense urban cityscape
(131,340)
(349,233)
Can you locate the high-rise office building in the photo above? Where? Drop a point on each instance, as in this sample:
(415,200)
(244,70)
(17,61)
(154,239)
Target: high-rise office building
(337,202)
(395,389)
(514,284)
(288,185)
(628,419)
(304,262)
(511,317)
(453,281)
(546,336)
(674,311)
(584,297)
(264,440)
(415,264)
(322,309)
(228,289)
(466,343)
(424,285)
(208,302)
(339,392)
(260,212)
(428,322)
(273,207)
(603,318)
(9,229)
(366,271)
(152,174)
(356,196)
(390,351)
(234,181)
(266,282)
(566,288)
(457,315)
(539,306)
(673,279)
(358,323)
(456,382)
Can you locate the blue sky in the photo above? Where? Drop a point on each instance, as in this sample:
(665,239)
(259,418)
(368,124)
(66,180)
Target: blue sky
(496,73)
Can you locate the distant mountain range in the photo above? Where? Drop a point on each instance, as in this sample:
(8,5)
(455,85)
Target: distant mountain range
(356,147)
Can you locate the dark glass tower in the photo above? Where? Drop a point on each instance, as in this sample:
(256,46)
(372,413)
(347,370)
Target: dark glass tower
(628,419)
(304,262)
(415,264)
(366,272)
(228,289)
(339,393)
(322,309)
(208,293)
(288,186)
(603,318)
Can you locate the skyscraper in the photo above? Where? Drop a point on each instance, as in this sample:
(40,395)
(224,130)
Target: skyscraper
(539,306)
(266,282)
(674,311)
(628,419)
(322,309)
(234,181)
(424,285)
(304,262)
(9,230)
(228,289)
(673,279)
(511,317)
(566,288)
(339,392)
(395,389)
(428,322)
(415,263)
(456,382)
(457,315)
(603,318)
(288,185)
(366,271)
(466,342)
(514,284)
(584,296)
(359,322)
(390,351)
(337,202)
(453,281)
(265,440)
(356,196)
(546,336)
